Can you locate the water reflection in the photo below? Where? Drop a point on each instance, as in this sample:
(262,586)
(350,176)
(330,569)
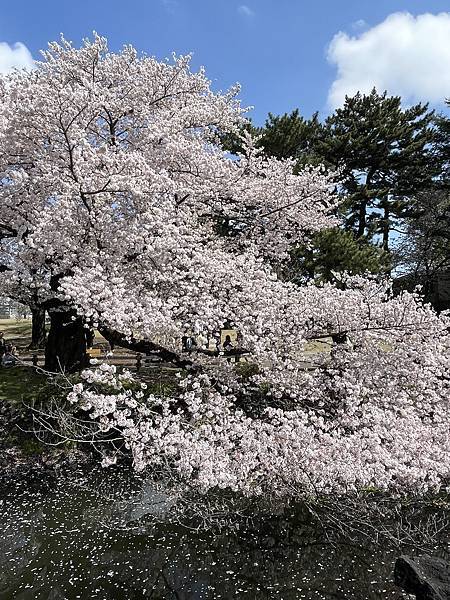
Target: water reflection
(92,537)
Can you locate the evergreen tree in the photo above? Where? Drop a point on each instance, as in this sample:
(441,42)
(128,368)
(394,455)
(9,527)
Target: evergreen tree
(285,136)
(383,154)
(290,136)
(334,251)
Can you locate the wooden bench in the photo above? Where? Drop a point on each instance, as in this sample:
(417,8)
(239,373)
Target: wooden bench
(94,352)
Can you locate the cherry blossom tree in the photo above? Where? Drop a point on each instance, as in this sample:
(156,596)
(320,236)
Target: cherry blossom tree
(111,168)
(130,217)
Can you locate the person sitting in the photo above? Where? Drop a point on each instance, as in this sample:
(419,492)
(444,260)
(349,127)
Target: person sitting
(228,345)
(9,359)
(11,349)
(188,343)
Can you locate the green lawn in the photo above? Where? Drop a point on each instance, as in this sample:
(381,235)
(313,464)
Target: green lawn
(17,331)
(19,387)
(19,384)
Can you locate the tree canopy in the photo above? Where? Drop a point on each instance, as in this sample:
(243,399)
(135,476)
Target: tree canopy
(114,181)
(384,154)
(334,252)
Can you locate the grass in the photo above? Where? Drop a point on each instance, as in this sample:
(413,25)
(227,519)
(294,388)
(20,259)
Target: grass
(20,384)
(317,346)
(17,331)
(22,387)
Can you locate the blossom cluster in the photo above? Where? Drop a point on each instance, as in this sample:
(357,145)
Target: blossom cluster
(367,439)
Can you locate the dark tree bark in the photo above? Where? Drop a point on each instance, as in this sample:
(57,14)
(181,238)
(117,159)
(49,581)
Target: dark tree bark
(144,346)
(386,227)
(38,333)
(66,343)
(362,216)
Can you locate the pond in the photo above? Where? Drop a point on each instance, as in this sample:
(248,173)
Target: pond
(94,536)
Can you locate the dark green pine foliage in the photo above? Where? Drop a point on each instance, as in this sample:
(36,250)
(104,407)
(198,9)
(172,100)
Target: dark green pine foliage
(384,155)
(286,136)
(232,143)
(442,148)
(291,136)
(334,251)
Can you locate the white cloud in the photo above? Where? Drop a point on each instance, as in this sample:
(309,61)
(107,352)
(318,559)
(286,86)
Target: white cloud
(15,57)
(405,55)
(245,11)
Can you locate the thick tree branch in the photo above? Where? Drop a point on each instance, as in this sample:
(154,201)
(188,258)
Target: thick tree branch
(145,346)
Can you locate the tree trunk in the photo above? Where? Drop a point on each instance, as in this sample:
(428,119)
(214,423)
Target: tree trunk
(386,227)
(66,343)
(38,333)
(362,208)
(362,218)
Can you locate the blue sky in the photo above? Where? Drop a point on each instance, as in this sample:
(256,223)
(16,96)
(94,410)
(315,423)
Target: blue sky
(277,50)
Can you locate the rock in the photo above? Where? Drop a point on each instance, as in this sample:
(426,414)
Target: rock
(426,576)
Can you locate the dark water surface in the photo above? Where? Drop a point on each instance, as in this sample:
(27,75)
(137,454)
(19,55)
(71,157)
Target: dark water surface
(92,537)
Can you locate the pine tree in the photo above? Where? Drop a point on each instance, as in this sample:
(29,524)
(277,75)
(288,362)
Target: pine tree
(334,251)
(286,136)
(384,155)
(290,136)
